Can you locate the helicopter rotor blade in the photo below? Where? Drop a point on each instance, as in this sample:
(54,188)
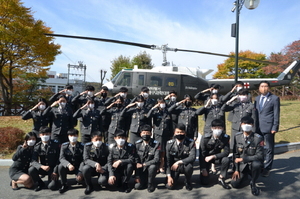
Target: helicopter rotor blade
(154,47)
(223,55)
(104,40)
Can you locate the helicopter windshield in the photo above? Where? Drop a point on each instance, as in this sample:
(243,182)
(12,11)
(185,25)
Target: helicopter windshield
(116,77)
(123,79)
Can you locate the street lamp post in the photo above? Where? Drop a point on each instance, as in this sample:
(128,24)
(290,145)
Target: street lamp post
(250,4)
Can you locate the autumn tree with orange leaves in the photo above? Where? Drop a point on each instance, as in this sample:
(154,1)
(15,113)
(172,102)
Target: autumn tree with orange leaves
(246,69)
(25,51)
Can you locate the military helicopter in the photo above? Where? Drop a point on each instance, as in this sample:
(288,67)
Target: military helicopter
(162,79)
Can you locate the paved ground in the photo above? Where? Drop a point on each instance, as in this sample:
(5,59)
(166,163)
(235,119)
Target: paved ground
(283,183)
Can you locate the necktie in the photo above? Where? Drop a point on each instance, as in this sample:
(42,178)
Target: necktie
(261,104)
(46,147)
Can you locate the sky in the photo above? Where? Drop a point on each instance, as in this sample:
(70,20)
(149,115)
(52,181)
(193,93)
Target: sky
(203,25)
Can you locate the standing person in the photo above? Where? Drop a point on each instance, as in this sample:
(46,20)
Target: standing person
(117,120)
(206,94)
(105,117)
(215,149)
(90,120)
(39,119)
(70,159)
(95,155)
(121,160)
(180,154)
(239,107)
(186,115)
(68,93)
(149,102)
(248,155)
(170,100)
(147,150)
(45,160)
(62,119)
(18,171)
(138,114)
(162,128)
(268,112)
(211,111)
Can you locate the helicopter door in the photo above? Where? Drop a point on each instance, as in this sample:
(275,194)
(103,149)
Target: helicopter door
(172,83)
(138,82)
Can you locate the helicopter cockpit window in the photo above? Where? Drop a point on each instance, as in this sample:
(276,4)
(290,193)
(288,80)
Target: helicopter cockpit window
(141,80)
(124,79)
(171,82)
(155,81)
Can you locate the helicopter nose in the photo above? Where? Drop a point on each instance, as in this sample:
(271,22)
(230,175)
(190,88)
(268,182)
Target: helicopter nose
(109,85)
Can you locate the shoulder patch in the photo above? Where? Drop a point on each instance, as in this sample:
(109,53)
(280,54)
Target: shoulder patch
(155,141)
(66,143)
(170,141)
(139,141)
(191,140)
(82,144)
(55,141)
(89,143)
(129,144)
(111,145)
(257,135)
(225,135)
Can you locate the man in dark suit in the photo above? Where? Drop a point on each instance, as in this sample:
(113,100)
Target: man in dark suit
(268,111)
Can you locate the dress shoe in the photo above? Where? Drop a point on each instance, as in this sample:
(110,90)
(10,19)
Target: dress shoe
(126,188)
(265,173)
(254,189)
(188,186)
(223,183)
(63,188)
(150,188)
(89,189)
(169,187)
(40,186)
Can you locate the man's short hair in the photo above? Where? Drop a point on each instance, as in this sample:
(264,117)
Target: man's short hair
(123,90)
(45,129)
(90,88)
(247,120)
(217,122)
(264,81)
(68,86)
(146,127)
(73,132)
(180,126)
(120,132)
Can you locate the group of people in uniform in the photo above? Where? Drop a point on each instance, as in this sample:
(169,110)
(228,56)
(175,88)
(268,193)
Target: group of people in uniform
(142,137)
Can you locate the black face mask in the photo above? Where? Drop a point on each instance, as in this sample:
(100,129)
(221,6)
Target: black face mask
(118,105)
(146,137)
(179,137)
(188,104)
(104,95)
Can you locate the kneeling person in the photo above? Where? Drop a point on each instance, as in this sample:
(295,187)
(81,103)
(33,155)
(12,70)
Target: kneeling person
(181,154)
(95,159)
(215,149)
(147,159)
(121,160)
(70,159)
(248,155)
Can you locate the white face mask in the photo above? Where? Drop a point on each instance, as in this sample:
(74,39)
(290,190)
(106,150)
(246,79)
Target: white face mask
(145,95)
(246,127)
(214,91)
(162,106)
(91,106)
(45,138)
(140,104)
(238,88)
(243,98)
(69,92)
(62,104)
(42,107)
(214,101)
(97,143)
(31,142)
(120,142)
(72,138)
(123,95)
(90,93)
(217,132)
(173,98)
